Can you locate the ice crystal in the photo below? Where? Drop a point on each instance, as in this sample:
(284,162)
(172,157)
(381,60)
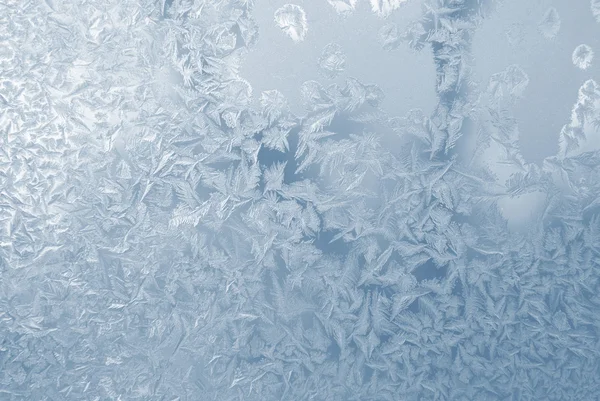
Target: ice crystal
(550,23)
(582,57)
(389,36)
(169,234)
(291,18)
(332,60)
(343,7)
(383,8)
(595,7)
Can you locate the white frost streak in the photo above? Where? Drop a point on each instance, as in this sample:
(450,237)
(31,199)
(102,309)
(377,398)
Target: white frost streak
(292,20)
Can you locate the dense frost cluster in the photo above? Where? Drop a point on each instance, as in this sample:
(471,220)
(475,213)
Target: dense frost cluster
(165,237)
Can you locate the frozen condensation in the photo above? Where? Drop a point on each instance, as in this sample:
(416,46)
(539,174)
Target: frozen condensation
(343,7)
(582,57)
(332,60)
(167,232)
(595,7)
(291,18)
(389,36)
(550,23)
(383,8)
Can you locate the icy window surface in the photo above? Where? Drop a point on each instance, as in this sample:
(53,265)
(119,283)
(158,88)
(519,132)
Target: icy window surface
(299,200)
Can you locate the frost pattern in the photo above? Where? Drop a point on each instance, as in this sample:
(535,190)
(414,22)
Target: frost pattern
(512,83)
(595,7)
(582,57)
(383,8)
(582,133)
(166,237)
(291,19)
(515,34)
(550,23)
(332,60)
(343,7)
(389,36)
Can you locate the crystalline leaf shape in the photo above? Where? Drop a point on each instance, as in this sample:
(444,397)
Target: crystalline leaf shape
(510,82)
(583,56)
(273,177)
(273,104)
(515,34)
(383,8)
(516,79)
(550,23)
(389,36)
(291,18)
(343,7)
(332,60)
